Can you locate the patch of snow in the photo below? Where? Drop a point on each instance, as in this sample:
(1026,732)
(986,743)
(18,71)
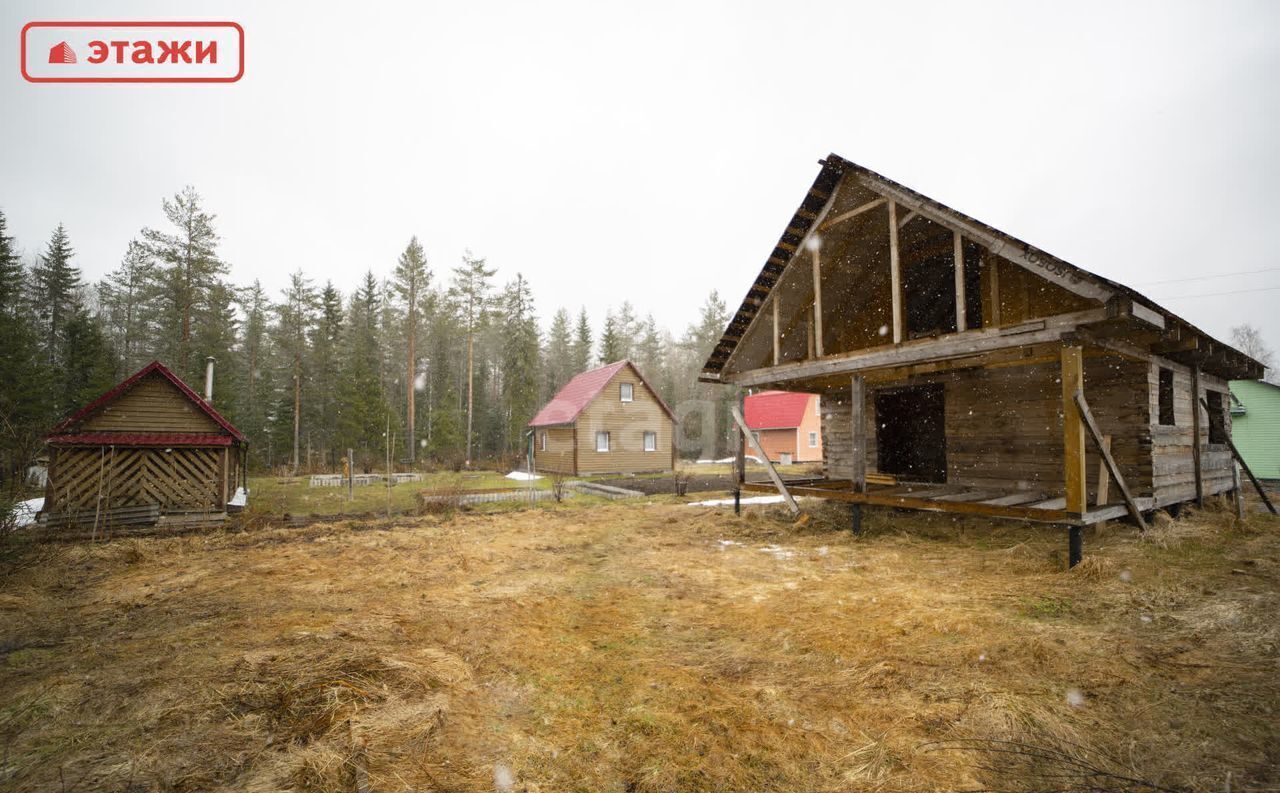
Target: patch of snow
(27,510)
(750,458)
(503,779)
(777,551)
(523,476)
(240,499)
(1075,698)
(728,502)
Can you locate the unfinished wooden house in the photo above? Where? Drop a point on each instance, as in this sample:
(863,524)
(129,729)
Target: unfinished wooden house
(150,450)
(605,421)
(964,370)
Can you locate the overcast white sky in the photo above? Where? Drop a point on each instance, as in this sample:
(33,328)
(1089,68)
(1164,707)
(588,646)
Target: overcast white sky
(654,151)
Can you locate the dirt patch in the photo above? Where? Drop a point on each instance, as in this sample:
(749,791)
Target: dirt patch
(634,647)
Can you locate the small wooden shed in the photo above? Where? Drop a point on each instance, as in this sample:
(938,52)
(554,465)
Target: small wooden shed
(149,450)
(964,370)
(787,425)
(605,421)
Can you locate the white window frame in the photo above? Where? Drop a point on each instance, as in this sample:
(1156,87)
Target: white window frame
(605,437)
(813,440)
(626,392)
(543,441)
(648,435)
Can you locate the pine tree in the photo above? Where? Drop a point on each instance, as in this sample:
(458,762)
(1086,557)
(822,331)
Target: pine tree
(558,354)
(24,408)
(362,407)
(297,318)
(188,268)
(55,285)
(123,294)
(412,282)
(610,341)
(520,361)
(470,292)
(582,343)
(254,373)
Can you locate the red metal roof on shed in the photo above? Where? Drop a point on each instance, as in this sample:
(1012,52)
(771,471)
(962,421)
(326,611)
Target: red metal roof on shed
(140,439)
(771,410)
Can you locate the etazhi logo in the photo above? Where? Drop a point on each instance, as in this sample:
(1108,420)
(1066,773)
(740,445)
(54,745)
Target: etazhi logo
(62,53)
(133,52)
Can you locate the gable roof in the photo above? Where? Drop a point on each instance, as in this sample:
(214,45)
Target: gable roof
(575,395)
(771,410)
(63,430)
(811,213)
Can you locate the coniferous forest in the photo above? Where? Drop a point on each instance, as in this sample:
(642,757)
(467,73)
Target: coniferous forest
(317,368)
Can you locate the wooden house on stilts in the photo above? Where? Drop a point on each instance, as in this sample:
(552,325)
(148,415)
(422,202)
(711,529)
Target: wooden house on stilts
(150,450)
(963,370)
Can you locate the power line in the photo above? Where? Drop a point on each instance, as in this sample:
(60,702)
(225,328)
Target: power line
(1206,277)
(1219,294)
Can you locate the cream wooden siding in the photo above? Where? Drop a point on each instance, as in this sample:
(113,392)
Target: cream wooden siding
(626,423)
(152,405)
(558,457)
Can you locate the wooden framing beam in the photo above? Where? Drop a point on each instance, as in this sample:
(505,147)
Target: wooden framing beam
(993,282)
(853,213)
(1044,515)
(972,342)
(777,333)
(907,218)
(1073,430)
(858,452)
(962,321)
(1195,433)
(816,255)
(1104,449)
(768,466)
(1103,495)
(809,339)
(895,272)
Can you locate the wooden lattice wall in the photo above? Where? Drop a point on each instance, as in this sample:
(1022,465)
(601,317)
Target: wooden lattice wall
(181,479)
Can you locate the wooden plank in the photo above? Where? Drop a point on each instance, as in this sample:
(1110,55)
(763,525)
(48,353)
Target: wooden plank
(777,331)
(858,453)
(968,495)
(768,466)
(962,320)
(926,505)
(1195,433)
(1051,503)
(957,345)
(1015,499)
(993,279)
(816,256)
(1104,479)
(1104,450)
(895,273)
(853,213)
(1073,457)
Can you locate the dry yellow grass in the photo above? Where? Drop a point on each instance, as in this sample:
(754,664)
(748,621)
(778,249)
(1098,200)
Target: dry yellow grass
(650,647)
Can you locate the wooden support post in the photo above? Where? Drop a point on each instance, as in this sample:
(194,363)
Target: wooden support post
(993,278)
(1075,545)
(737,501)
(1073,430)
(1235,453)
(768,466)
(962,320)
(1104,478)
(777,331)
(740,466)
(812,351)
(1237,495)
(855,519)
(858,451)
(895,272)
(1104,450)
(1195,433)
(351,475)
(817,299)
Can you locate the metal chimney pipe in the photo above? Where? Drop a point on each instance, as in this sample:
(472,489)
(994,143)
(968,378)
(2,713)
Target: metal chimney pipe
(208,379)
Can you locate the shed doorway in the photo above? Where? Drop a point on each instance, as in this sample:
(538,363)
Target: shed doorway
(911,438)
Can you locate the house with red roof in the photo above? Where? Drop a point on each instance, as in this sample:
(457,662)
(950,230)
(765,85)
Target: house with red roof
(605,421)
(787,424)
(149,450)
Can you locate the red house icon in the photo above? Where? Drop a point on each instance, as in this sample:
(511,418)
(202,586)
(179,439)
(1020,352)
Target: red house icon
(62,53)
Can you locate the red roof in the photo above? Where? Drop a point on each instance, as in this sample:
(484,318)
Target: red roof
(61,429)
(772,410)
(576,394)
(141,439)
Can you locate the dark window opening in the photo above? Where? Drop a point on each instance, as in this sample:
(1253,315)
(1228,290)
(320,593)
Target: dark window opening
(1166,397)
(1217,417)
(930,290)
(911,433)
(972,285)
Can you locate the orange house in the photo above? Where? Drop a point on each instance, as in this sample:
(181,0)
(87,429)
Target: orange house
(787,424)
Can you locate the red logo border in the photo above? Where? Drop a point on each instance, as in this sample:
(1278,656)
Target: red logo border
(149,24)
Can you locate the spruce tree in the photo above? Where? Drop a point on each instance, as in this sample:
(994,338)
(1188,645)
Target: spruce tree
(362,407)
(610,341)
(558,355)
(582,343)
(325,353)
(55,285)
(123,296)
(520,361)
(296,319)
(25,410)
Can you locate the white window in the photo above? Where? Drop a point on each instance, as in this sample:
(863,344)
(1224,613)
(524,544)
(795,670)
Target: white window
(626,392)
(602,441)
(813,440)
(544,441)
(651,441)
